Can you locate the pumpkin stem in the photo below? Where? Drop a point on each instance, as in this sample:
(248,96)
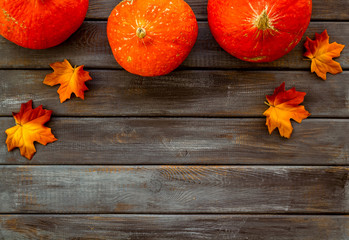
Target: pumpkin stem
(262,21)
(141,33)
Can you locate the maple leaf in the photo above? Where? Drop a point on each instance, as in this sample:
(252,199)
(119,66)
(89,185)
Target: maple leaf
(321,53)
(284,105)
(72,80)
(29,128)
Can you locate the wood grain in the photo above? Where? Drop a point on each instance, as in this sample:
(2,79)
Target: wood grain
(89,47)
(173,189)
(182,93)
(185,141)
(322,10)
(176,227)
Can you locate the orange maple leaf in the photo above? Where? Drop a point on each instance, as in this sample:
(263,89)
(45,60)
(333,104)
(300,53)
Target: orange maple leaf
(284,105)
(29,128)
(72,80)
(321,53)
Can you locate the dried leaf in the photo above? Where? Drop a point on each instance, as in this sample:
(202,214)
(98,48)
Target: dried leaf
(284,105)
(29,128)
(321,53)
(72,80)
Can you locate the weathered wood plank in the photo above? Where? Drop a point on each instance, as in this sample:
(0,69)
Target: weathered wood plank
(182,93)
(322,10)
(173,189)
(89,46)
(185,141)
(176,227)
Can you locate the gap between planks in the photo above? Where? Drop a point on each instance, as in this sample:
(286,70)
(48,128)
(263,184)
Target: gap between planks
(184,69)
(135,117)
(267,214)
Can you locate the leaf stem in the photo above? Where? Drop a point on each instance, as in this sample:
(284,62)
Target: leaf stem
(265,102)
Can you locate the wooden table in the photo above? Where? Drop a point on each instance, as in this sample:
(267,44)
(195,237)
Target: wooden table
(184,156)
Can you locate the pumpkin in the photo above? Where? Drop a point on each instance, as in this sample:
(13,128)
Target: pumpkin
(39,24)
(258,31)
(151,37)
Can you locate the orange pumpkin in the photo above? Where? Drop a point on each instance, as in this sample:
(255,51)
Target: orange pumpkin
(151,37)
(258,31)
(40,24)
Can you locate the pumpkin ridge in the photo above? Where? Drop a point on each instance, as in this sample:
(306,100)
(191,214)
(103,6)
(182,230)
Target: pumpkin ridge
(8,16)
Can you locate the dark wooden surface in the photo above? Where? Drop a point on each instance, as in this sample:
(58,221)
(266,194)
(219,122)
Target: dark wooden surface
(183,156)
(178,227)
(182,93)
(186,141)
(174,189)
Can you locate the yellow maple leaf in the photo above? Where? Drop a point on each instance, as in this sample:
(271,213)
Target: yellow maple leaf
(284,105)
(72,80)
(321,53)
(29,128)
